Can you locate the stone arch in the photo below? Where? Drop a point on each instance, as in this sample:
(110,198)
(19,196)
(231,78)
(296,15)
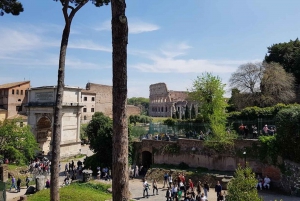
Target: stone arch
(44,133)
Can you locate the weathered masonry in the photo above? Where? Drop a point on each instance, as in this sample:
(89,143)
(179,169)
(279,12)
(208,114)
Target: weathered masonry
(40,111)
(165,103)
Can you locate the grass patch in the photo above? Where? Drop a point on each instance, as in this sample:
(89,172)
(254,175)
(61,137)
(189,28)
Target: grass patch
(158,119)
(77,192)
(73,158)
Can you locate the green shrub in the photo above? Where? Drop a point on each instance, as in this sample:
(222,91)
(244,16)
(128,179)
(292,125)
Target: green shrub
(288,133)
(242,186)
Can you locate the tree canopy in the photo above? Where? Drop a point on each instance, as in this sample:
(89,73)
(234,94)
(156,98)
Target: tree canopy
(13,7)
(247,77)
(17,143)
(99,131)
(208,91)
(277,86)
(288,55)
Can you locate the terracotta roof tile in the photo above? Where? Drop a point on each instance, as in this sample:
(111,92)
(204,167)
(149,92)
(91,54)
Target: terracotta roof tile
(13,84)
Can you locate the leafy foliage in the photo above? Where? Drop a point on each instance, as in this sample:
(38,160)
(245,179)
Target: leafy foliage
(140,101)
(255,112)
(208,91)
(133,119)
(243,186)
(10,6)
(268,149)
(99,132)
(288,133)
(288,55)
(17,143)
(170,122)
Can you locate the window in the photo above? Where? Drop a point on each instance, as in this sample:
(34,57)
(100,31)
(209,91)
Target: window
(84,117)
(93,98)
(92,110)
(84,98)
(18,108)
(13,91)
(21,124)
(17,91)
(21,92)
(19,100)
(84,109)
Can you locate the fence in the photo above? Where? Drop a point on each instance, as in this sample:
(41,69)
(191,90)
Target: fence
(181,128)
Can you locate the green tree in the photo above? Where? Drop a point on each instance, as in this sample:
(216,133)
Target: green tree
(17,143)
(208,91)
(70,8)
(10,6)
(99,131)
(286,54)
(140,102)
(288,133)
(120,182)
(242,186)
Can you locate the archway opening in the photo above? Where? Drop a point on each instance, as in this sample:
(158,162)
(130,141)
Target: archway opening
(44,134)
(146,159)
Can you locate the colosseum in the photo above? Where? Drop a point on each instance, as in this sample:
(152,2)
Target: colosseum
(165,103)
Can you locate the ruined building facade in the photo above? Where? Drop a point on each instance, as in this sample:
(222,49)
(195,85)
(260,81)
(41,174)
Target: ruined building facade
(98,98)
(165,103)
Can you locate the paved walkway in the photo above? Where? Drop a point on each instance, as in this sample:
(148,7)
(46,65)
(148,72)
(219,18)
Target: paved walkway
(136,190)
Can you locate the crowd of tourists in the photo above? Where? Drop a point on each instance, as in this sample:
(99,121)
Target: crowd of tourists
(179,188)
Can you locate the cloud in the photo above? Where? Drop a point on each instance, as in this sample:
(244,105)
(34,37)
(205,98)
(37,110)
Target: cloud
(166,61)
(135,26)
(88,45)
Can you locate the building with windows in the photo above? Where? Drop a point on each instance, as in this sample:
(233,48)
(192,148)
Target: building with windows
(89,100)
(13,97)
(98,98)
(40,111)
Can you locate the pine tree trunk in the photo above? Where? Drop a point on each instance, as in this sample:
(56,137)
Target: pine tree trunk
(54,182)
(120,127)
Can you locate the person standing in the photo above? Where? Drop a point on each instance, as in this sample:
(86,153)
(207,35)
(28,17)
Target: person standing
(13,183)
(191,184)
(206,188)
(27,181)
(154,186)
(170,180)
(19,184)
(254,131)
(166,179)
(168,194)
(72,165)
(199,186)
(218,188)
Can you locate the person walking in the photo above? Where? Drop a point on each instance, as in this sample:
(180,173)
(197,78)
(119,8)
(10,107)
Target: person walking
(19,184)
(206,188)
(145,188)
(13,183)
